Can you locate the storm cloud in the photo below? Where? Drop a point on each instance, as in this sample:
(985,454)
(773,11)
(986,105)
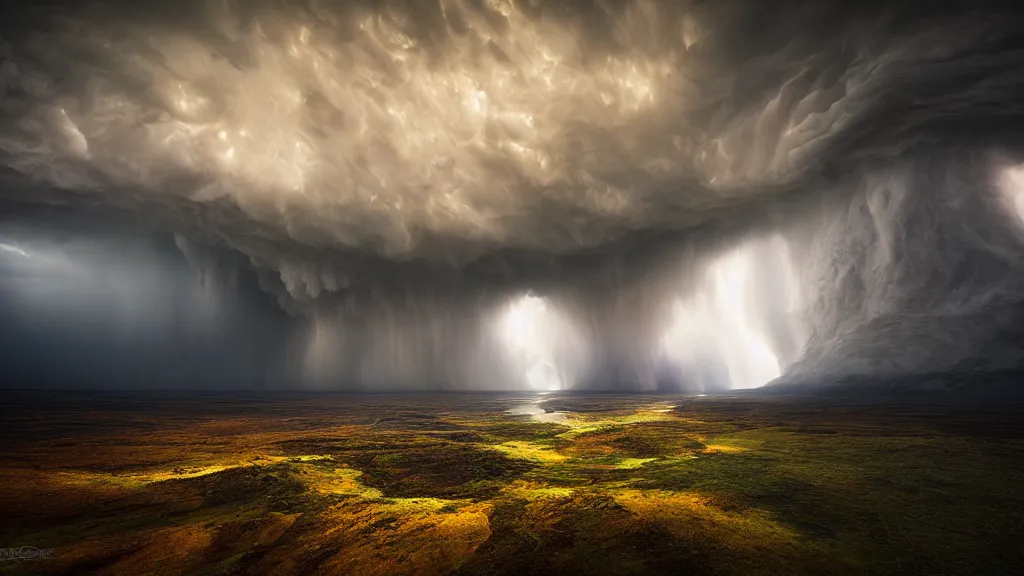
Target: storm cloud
(495,194)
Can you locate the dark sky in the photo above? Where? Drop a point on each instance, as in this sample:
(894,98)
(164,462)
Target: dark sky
(99,303)
(493,194)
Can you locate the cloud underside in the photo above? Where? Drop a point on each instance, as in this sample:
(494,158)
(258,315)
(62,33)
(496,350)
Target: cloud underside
(393,173)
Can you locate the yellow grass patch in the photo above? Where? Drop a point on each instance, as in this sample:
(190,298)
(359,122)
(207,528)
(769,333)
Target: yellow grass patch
(528,490)
(337,481)
(690,516)
(529,451)
(633,463)
(397,538)
(724,448)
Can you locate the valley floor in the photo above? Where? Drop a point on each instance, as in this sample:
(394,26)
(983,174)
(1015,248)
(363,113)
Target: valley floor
(501,484)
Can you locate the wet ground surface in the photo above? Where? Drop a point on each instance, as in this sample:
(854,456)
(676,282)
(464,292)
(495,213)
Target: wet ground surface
(508,484)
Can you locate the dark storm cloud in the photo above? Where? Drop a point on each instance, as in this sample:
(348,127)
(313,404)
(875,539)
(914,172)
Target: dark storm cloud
(725,183)
(101,303)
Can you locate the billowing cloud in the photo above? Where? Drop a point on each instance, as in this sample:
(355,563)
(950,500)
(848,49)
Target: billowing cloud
(710,190)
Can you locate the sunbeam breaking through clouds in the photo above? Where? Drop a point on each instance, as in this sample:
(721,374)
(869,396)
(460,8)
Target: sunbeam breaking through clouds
(722,326)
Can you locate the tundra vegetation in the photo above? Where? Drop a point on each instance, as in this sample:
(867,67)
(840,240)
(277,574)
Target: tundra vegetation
(453,484)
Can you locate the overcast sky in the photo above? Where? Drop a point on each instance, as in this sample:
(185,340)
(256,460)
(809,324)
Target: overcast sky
(495,194)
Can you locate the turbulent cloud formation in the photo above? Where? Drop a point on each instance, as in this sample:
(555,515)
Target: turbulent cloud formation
(505,194)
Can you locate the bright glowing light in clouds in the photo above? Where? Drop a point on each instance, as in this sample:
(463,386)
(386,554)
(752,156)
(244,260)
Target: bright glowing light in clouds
(723,323)
(1012,185)
(13,250)
(538,340)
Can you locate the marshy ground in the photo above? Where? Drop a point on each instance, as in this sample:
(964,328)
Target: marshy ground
(488,484)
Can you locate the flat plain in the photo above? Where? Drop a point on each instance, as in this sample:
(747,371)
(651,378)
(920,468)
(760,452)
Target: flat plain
(206,484)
